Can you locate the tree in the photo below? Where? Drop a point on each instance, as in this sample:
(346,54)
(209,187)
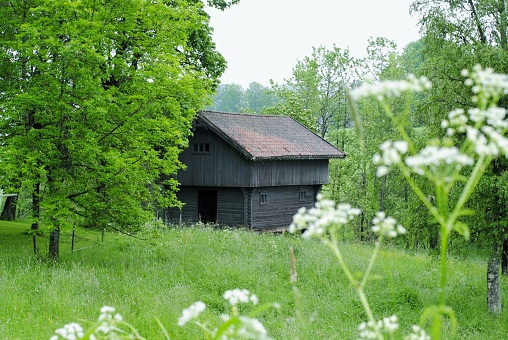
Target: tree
(318,82)
(258,97)
(458,35)
(97,100)
(229,98)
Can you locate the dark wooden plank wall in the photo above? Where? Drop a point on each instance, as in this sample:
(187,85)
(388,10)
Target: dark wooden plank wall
(289,172)
(224,166)
(281,204)
(230,209)
(243,207)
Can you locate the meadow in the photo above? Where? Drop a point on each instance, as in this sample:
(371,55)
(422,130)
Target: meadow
(160,273)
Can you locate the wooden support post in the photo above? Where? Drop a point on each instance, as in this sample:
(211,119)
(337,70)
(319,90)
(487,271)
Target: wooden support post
(35,243)
(73,237)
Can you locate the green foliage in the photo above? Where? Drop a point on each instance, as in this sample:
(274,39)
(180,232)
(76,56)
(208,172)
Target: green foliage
(229,98)
(233,98)
(97,102)
(314,94)
(459,35)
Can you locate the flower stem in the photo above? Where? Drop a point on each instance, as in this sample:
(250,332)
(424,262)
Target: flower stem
(372,260)
(355,283)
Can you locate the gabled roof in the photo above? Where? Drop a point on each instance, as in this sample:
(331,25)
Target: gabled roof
(268,137)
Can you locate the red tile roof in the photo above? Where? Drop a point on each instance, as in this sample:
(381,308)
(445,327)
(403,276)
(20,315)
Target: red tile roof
(265,137)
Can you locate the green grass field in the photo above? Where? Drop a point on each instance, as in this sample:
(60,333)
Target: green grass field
(160,276)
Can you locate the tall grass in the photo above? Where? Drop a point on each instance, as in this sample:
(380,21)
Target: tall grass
(160,276)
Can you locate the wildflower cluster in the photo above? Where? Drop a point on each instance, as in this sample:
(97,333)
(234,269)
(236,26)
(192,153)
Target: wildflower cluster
(391,88)
(418,333)
(191,313)
(486,84)
(108,321)
(236,296)
(108,326)
(435,156)
(386,226)
(371,330)
(317,220)
(246,328)
(71,331)
(391,154)
(233,324)
(485,126)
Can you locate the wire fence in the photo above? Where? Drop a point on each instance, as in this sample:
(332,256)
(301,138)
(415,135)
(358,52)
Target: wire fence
(70,241)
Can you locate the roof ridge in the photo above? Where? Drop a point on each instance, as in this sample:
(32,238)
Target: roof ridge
(244,113)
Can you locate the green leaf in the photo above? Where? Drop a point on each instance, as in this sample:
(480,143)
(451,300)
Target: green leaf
(462,229)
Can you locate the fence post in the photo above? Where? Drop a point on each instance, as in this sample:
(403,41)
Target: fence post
(73,236)
(35,243)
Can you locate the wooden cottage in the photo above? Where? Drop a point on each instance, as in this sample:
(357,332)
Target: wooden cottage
(250,170)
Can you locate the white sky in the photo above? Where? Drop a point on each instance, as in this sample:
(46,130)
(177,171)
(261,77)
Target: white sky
(263,39)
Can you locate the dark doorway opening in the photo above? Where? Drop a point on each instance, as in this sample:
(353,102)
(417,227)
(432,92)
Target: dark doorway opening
(207,206)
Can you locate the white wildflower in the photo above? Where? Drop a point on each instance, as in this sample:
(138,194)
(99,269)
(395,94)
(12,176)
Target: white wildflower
(252,329)
(493,116)
(457,119)
(390,88)
(390,324)
(324,214)
(236,296)
(191,313)
(495,144)
(382,170)
(391,153)
(109,320)
(248,328)
(418,333)
(370,330)
(71,331)
(106,310)
(434,156)
(487,82)
(386,225)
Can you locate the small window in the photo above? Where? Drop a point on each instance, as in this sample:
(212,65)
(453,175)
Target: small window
(201,148)
(303,195)
(263,198)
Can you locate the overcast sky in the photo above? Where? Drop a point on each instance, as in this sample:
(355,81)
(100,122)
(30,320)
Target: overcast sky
(263,39)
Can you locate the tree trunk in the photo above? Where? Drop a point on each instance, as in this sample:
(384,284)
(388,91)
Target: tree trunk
(493,287)
(9,210)
(36,204)
(433,237)
(504,257)
(54,243)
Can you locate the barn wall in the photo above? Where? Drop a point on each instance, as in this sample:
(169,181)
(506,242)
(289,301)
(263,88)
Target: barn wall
(257,208)
(230,208)
(274,207)
(224,166)
(289,172)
